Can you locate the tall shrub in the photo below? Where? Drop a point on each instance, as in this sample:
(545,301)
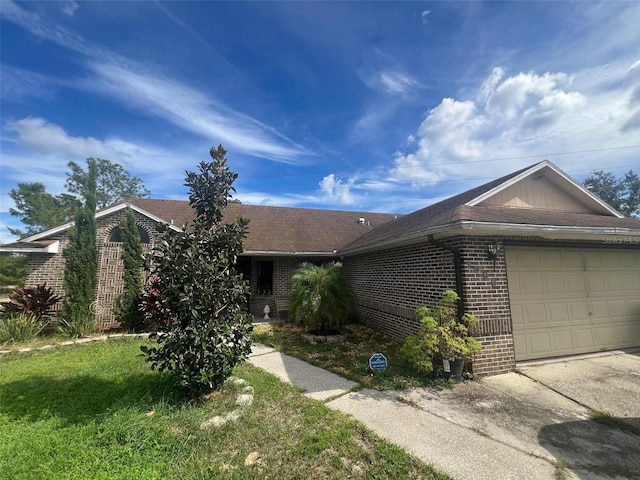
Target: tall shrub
(199,292)
(81,263)
(127,310)
(320,296)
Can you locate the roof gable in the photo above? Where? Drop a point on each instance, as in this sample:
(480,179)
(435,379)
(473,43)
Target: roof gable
(498,206)
(544,186)
(102,213)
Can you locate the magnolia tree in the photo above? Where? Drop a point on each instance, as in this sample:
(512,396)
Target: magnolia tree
(198,294)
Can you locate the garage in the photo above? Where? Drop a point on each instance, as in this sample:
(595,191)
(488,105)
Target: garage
(573,300)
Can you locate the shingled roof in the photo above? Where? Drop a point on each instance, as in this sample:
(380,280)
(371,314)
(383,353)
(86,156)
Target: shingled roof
(290,231)
(281,230)
(463,208)
(441,213)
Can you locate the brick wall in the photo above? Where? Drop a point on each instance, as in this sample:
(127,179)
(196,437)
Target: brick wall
(486,295)
(110,266)
(49,268)
(389,285)
(497,355)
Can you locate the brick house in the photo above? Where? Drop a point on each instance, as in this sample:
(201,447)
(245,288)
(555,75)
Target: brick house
(547,267)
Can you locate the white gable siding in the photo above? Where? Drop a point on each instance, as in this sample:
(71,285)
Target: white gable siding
(538,193)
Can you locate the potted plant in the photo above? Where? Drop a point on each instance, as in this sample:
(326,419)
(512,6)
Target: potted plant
(442,335)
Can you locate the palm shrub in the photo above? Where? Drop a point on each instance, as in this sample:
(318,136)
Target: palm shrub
(127,310)
(442,335)
(199,294)
(320,297)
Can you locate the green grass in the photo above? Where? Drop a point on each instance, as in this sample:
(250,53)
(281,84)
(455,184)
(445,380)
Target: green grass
(349,359)
(97,411)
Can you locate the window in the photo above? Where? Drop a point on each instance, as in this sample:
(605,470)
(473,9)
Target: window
(265,278)
(243,266)
(116,235)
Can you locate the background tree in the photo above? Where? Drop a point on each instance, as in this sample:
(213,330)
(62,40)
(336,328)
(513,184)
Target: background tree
(127,310)
(623,194)
(81,264)
(13,270)
(320,297)
(114,182)
(39,210)
(198,289)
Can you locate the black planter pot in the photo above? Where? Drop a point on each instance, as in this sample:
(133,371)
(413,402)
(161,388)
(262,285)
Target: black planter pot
(455,369)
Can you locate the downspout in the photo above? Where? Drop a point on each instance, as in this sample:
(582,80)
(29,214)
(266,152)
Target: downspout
(457,266)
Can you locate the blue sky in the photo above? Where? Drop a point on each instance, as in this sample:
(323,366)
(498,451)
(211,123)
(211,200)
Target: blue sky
(370,106)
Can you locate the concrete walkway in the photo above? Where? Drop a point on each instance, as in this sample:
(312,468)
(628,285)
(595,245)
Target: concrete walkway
(461,452)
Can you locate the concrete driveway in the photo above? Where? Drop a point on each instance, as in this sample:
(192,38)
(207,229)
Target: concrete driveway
(580,413)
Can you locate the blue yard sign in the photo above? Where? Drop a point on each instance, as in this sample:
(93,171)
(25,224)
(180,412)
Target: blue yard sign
(378,362)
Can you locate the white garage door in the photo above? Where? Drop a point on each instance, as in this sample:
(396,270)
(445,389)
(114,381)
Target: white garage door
(569,300)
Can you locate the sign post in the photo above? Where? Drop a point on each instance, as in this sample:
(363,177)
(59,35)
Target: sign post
(378,362)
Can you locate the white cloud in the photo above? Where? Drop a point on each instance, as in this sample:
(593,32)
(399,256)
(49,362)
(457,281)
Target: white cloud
(519,117)
(190,109)
(69,8)
(515,94)
(335,190)
(425,14)
(390,81)
(264,198)
(175,102)
(397,83)
(46,137)
(18,83)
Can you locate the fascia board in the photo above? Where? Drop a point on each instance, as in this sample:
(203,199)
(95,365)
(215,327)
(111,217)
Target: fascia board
(53,249)
(100,214)
(279,253)
(484,228)
(48,233)
(557,229)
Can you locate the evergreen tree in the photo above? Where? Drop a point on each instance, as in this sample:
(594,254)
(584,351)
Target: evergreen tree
(200,292)
(81,264)
(126,309)
(623,193)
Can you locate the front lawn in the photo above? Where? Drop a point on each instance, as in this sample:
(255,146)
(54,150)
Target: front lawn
(349,359)
(96,411)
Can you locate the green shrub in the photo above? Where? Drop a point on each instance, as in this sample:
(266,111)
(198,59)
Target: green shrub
(441,335)
(127,310)
(320,297)
(81,256)
(200,295)
(20,328)
(77,324)
(35,301)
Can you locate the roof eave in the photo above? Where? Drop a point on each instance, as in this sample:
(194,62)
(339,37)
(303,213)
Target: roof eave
(467,227)
(281,253)
(51,249)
